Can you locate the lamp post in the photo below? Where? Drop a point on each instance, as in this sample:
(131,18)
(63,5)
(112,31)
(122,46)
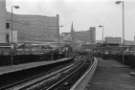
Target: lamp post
(12,24)
(101,26)
(123,20)
(12,21)
(123,25)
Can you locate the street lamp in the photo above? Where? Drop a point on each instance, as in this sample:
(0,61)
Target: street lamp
(11,42)
(12,21)
(101,26)
(123,26)
(123,20)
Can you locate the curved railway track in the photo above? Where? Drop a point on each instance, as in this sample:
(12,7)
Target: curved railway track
(48,82)
(19,78)
(66,82)
(61,78)
(32,83)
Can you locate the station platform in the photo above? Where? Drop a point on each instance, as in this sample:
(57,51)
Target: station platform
(15,68)
(111,75)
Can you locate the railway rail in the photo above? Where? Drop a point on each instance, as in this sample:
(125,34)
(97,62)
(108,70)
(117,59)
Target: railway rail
(82,83)
(45,83)
(21,77)
(68,81)
(32,83)
(60,78)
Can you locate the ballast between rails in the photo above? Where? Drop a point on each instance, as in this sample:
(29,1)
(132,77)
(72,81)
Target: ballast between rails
(65,78)
(82,82)
(21,85)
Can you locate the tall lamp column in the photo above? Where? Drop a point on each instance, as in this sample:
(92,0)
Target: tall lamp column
(11,40)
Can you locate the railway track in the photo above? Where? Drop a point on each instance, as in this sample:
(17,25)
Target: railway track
(58,79)
(32,83)
(47,82)
(10,81)
(66,82)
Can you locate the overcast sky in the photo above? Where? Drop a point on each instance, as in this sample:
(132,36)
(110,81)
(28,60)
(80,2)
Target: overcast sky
(84,13)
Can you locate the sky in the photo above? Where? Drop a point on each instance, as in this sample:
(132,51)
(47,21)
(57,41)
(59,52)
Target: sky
(84,14)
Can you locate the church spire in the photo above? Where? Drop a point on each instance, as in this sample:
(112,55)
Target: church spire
(72,32)
(72,35)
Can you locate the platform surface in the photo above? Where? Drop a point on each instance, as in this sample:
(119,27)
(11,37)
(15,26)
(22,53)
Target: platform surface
(14,68)
(111,75)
